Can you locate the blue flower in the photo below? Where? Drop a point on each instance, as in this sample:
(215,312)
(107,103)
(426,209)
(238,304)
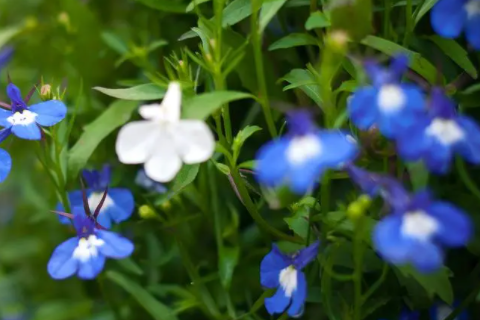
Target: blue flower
(390,105)
(25,121)
(436,138)
(119,203)
(409,315)
(284,272)
(450,17)
(5,164)
(86,253)
(145,182)
(417,230)
(442,311)
(299,158)
(5,56)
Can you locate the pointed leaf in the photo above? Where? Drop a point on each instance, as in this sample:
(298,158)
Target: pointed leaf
(268,11)
(203,105)
(149,91)
(165,5)
(317,20)
(293,40)
(227,263)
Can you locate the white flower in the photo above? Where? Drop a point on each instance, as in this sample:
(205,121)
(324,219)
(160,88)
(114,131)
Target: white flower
(163,142)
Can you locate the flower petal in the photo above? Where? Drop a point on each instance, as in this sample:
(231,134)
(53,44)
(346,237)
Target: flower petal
(150,111)
(455,225)
(278,302)
(165,163)
(473,31)
(172,102)
(194,141)
(426,256)
(272,166)
(469,147)
(136,141)
(270,267)
(49,113)
(4,114)
(362,107)
(449,17)
(13,92)
(389,242)
(299,296)
(62,264)
(30,131)
(91,268)
(123,204)
(5,164)
(115,246)
(338,148)
(306,255)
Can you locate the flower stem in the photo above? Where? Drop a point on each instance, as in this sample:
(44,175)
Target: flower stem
(408,22)
(313,5)
(386,18)
(252,209)
(358,268)
(257,51)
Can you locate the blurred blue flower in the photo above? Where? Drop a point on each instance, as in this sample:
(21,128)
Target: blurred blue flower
(299,158)
(25,121)
(5,163)
(5,56)
(442,311)
(418,228)
(284,272)
(119,203)
(86,253)
(409,315)
(450,17)
(435,138)
(390,105)
(145,182)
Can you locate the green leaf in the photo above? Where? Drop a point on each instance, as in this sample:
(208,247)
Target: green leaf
(426,6)
(227,263)
(155,308)
(116,115)
(165,5)
(8,33)
(236,11)
(293,40)
(304,80)
(114,42)
(268,11)
(472,89)
(435,283)
(203,105)
(455,52)
(317,20)
(353,16)
(222,167)
(149,91)
(418,174)
(194,3)
(298,223)
(184,177)
(241,137)
(129,265)
(419,64)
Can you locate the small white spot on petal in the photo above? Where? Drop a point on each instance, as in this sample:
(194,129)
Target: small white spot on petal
(419,225)
(95,198)
(446,131)
(391,98)
(87,248)
(288,280)
(473,8)
(303,148)
(23,118)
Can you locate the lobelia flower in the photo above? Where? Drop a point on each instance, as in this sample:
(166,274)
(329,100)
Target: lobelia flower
(417,230)
(299,158)
(145,182)
(5,163)
(164,141)
(450,17)
(86,253)
(25,121)
(437,137)
(390,105)
(117,207)
(278,270)
(442,311)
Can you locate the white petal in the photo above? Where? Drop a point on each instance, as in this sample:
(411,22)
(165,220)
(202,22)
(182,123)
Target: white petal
(194,141)
(165,163)
(136,141)
(150,111)
(172,102)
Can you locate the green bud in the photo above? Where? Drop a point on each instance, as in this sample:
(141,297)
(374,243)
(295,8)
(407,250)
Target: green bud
(355,210)
(146,212)
(364,200)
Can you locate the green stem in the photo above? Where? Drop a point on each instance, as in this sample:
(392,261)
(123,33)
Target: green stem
(313,5)
(257,51)
(218,125)
(325,193)
(386,19)
(107,297)
(408,22)
(358,268)
(252,209)
(376,285)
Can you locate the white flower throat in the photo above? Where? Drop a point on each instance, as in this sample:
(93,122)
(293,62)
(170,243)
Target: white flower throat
(24,118)
(95,198)
(288,280)
(446,131)
(391,98)
(419,225)
(87,248)
(473,8)
(303,148)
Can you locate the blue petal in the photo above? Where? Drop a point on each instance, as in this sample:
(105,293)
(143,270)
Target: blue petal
(338,148)
(49,113)
(472,31)
(91,178)
(5,164)
(82,223)
(75,199)
(272,166)
(29,132)
(4,133)
(4,114)
(409,315)
(388,241)
(270,267)
(469,148)
(305,256)
(426,256)
(277,303)
(362,108)
(438,158)
(62,264)
(104,177)
(123,204)
(13,92)
(115,246)
(302,178)
(455,225)
(91,268)
(104,218)
(449,17)
(412,144)
(299,296)
(399,65)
